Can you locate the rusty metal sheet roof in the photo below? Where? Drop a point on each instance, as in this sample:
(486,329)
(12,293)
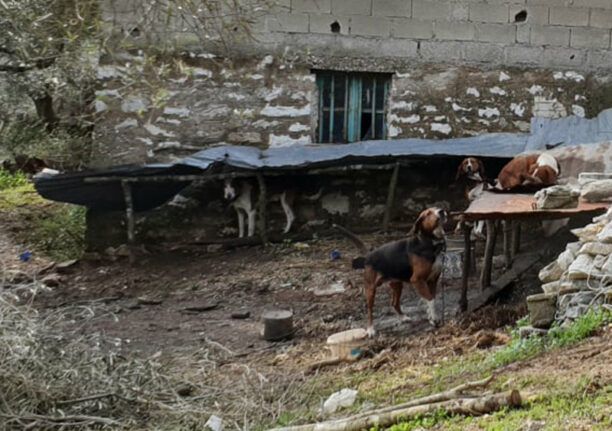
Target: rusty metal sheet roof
(498,206)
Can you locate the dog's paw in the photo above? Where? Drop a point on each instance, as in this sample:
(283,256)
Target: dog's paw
(371,332)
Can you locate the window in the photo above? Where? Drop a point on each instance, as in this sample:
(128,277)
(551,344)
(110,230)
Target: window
(351,106)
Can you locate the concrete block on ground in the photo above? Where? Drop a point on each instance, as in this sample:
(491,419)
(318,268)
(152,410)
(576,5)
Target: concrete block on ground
(411,29)
(315,6)
(496,33)
(454,30)
(287,23)
(321,23)
(392,8)
(564,57)
(569,16)
(551,36)
(351,7)
(535,14)
(370,26)
(492,13)
(433,10)
(583,37)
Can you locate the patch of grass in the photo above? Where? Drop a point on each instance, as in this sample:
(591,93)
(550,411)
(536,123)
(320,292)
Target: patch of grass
(9,180)
(521,349)
(56,230)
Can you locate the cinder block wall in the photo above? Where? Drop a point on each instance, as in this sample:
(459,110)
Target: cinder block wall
(558,33)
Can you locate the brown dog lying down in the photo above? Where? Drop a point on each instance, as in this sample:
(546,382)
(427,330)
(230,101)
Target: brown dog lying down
(417,259)
(531,170)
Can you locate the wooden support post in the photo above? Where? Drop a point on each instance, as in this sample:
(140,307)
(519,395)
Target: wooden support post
(516,237)
(391,197)
(467,258)
(129,216)
(485,275)
(262,209)
(507,226)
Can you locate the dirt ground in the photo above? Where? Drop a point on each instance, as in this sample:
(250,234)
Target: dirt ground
(176,302)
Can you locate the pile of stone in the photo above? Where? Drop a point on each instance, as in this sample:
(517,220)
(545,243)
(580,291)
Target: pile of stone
(579,279)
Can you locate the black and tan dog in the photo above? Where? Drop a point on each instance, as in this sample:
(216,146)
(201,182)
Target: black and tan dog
(417,259)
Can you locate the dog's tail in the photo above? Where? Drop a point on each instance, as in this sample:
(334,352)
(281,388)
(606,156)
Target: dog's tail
(358,262)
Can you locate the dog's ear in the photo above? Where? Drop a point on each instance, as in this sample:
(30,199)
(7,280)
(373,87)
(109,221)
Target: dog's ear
(459,172)
(418,224)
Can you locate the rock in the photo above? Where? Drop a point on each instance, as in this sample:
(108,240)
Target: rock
(133,305)
(606,268)
(491,338)
(588,233)
(552,287)
(341,399)
(597,191)
(605,235)
(585,178)
(51,280)
(583,268)
(551,272)
(66,267)
(149,301)
(214,423)
(185,390)
(573,247)
(607,217)
(243,314)
(337,287)
(202,307)
(558,196)
(542,309)
(565,259)
(595,248)
(529,331)
(599,261)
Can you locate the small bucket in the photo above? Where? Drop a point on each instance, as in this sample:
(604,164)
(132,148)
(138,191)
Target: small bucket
(347,344)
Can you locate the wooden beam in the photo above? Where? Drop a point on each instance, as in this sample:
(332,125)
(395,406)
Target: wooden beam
(129,217)
(467,258)
(391,197)
(262,209)
(507,238)
(487,266)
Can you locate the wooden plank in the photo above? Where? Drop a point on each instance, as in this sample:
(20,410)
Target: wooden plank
(522,263)
(391,197)
(465,277)
(487,266)
(507,231)
(262,209)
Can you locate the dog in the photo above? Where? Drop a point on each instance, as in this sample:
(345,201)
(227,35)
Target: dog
(471,173)
(417,259)
(531,170)
(243,197)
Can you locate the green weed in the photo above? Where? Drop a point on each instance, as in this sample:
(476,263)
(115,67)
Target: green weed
(10,181)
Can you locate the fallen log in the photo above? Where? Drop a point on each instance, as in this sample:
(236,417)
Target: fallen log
(472,406)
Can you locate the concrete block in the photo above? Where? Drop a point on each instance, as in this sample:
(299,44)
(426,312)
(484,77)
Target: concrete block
(460,12)
(281,6)
(443,51)
(370,26)
(483,52)
(549,36)
(523,33)
(482,12)
(352,7)
(535,14)
(599,59)
(564,57)
(315,6)
(321,23)
(496,33)
(523,54)
(287,23)
(411,29)
(582,37)
(569,16)
(604,4)
(454,30)
(548,2)
(601,18)
(392,8)
(433,10)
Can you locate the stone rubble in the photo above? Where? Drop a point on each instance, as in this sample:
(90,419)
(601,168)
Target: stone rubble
(581,277)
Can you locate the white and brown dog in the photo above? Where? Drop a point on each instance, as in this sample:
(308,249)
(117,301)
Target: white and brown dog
(530,170)
(471,174)
(243,196)
(417,259)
